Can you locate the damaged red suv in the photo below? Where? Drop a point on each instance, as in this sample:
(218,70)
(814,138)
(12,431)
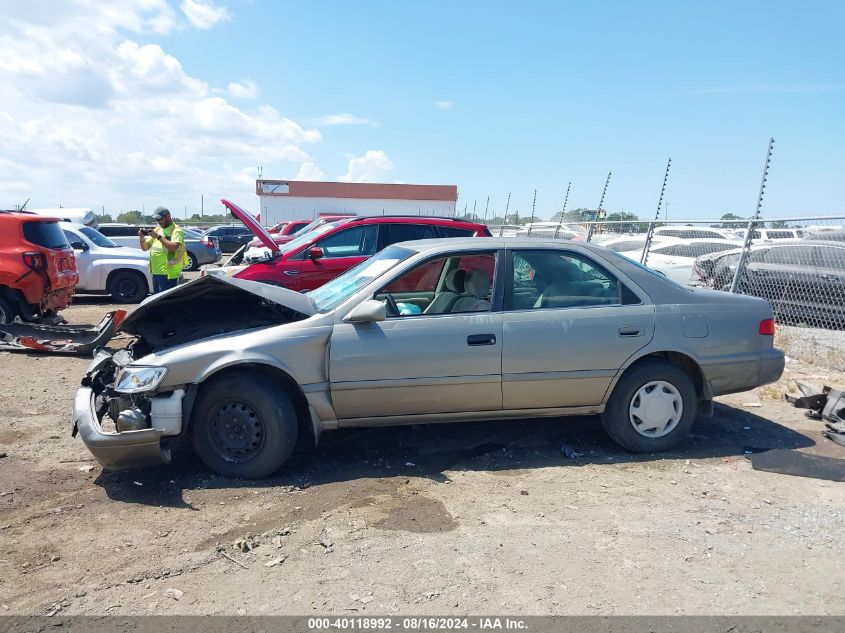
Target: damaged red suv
(314,258)
(37,267)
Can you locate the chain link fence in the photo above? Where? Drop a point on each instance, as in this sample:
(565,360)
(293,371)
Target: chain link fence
(797,264)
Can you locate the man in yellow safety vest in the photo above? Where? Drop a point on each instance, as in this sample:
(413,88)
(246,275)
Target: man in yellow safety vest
(166,244)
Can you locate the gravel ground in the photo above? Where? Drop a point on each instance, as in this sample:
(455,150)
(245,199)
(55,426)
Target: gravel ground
(450,519)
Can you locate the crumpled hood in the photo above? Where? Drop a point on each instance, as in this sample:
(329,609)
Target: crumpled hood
(209,306)
(296,301)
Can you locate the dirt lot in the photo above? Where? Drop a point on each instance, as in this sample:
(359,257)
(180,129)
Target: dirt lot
(465,518)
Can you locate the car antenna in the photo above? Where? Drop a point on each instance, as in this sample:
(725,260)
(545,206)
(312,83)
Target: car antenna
(746,245)
(23,206)
(650,234)
(598,210)
(563,209)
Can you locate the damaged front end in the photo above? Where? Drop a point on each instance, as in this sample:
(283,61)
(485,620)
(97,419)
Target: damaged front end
(124,424)
(134,405)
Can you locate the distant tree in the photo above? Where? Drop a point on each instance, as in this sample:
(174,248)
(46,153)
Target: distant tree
(636,225)
(575,215)
(779,224)
(730,225)
(105,217)
(131,217)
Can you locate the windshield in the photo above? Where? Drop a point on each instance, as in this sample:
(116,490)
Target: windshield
(341,288)
(306,236)
(98,238)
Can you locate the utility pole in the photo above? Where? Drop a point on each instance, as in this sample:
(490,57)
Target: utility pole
(746,246)
(474,217)
(202,207)
(598,210)
(507,206)
(486,207)
(533,207)
(650,233)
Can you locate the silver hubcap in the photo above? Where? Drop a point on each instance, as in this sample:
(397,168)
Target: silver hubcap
(656,409)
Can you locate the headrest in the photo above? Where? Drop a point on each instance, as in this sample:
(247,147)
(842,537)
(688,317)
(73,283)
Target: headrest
(477,283)
(455,281)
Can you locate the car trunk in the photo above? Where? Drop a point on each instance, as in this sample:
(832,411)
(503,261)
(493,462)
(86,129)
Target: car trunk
(210,306)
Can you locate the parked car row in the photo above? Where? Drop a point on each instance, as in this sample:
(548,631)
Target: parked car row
(804,280)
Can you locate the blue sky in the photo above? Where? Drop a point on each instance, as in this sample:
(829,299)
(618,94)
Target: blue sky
(502,97)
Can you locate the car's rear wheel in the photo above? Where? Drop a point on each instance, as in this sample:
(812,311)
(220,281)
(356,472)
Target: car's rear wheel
(127,286)
(193,263)
(244,425)
(652,407)
(7,312)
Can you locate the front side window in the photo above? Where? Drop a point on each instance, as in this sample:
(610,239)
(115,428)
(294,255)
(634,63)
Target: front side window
(553,279)
(98,238)
(445,285)
(356,241)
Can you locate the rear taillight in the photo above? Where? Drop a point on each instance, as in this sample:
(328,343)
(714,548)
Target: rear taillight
(35,261)
(767,327)
(206,242)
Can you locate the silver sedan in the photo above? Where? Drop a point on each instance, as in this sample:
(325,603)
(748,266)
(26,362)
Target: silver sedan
(427,331)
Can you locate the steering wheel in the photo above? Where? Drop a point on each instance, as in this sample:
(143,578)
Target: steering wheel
(392,307)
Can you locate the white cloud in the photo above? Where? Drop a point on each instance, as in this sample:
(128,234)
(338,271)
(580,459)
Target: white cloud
(204,15)
(310,171)
(371,167)
(444,105)
(94,117)
(345,119)
(247,89)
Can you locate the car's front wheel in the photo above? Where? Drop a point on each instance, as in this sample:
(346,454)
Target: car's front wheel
(244,425)
(652,408)
(127,286)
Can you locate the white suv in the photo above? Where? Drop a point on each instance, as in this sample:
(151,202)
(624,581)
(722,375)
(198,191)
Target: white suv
(104,266)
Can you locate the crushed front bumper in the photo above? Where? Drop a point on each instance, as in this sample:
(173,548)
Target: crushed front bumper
(115,451)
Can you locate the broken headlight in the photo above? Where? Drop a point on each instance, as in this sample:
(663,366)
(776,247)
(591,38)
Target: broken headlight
(139,379)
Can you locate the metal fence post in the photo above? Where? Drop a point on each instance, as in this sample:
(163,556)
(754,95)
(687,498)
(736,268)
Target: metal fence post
(746,246)
(647,245)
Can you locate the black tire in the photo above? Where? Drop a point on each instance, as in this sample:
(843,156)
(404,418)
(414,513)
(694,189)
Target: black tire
(617,420)
(128,286)
(193,263)
(244,425)
(7,312)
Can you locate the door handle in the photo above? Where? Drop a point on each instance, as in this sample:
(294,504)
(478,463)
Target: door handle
(474,340)
(629,331)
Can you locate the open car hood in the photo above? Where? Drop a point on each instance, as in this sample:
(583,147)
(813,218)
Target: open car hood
(209,306)
(253,225)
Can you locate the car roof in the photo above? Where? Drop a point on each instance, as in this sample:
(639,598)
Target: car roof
(412,219)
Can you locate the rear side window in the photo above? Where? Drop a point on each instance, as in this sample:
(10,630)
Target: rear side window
(118,231)
(624,247)
(452,231)
(405,232)
(829,257)
(46,234)
(792,256)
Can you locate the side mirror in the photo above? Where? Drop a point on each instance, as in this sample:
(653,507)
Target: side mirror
(79,246)
(315,252)
(367,312)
